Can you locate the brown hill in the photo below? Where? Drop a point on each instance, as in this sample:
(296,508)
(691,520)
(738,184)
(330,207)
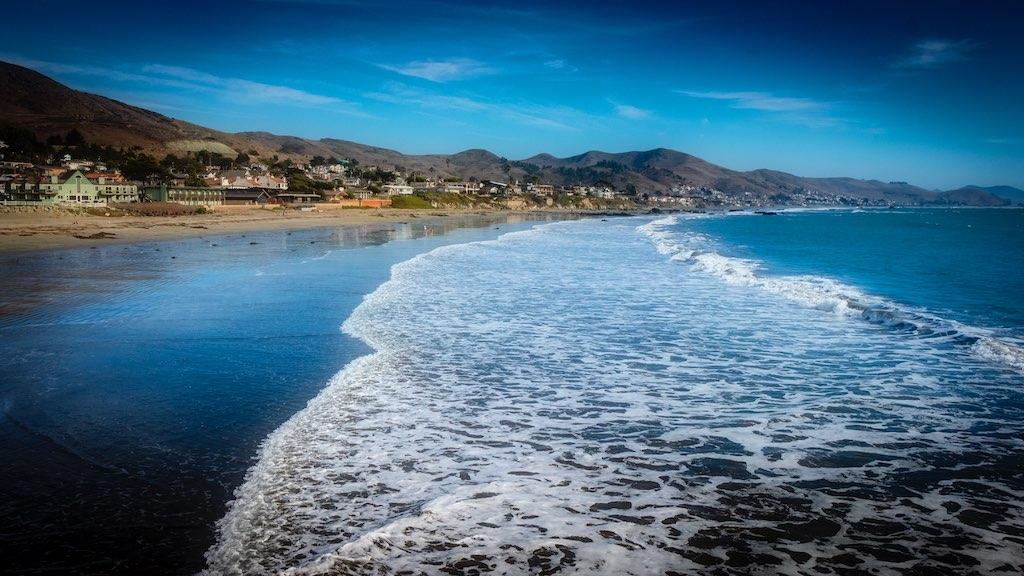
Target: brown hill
(971,196)
(31,100)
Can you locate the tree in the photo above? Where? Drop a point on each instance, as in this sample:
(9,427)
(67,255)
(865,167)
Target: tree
(170,162)
(242,159)
(21,143)
(142,168)
(74,138)
(195,181)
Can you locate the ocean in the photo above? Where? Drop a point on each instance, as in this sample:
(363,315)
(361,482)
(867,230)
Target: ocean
(137,381)
(816,392)
(812,392)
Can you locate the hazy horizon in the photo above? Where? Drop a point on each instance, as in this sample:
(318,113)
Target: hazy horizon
(923,93)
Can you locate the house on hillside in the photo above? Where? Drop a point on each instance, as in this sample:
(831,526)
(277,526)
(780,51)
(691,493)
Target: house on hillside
(242,179)
(269,182)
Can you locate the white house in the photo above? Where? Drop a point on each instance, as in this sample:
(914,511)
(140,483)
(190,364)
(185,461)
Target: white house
(397,189)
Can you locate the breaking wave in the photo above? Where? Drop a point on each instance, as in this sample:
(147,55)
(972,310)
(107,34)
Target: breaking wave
(563,401)
(826,294)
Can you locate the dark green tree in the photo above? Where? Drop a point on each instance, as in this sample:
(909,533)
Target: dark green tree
(74,138)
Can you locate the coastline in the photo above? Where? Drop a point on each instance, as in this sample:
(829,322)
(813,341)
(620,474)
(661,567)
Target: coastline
(29,231)
(216,344)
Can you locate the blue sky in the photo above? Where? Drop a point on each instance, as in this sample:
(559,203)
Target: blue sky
(931,93)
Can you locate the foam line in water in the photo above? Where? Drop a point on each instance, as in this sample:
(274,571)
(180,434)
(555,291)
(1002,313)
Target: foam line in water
(823,293)
(562,400)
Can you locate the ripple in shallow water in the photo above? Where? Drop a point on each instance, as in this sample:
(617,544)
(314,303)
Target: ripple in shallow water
(566,400)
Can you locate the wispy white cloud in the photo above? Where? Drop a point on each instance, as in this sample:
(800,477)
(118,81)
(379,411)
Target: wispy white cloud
(246,90)
(759,101)
(47,67)
(1005,141)
(234,89)
(546,116)
(560,64)
(631,112)
(539,115)
(443,70)
(933,53)
(790,109)
(397,93)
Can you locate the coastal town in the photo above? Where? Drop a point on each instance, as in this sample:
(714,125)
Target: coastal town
(75,182)
(71,173)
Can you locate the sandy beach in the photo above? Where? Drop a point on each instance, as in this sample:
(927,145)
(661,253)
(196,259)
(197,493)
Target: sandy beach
(28,229)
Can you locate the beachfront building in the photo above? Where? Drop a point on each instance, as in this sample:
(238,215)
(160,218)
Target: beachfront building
(247,196)
(73,188)
(187,195)
(397,189)
(462,187)
(492,188)
(296,198)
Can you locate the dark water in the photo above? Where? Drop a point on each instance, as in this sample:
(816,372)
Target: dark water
(137,381)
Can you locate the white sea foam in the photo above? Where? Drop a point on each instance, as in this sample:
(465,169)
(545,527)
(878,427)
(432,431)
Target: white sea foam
(563,400)
(1000,351)
(824,293)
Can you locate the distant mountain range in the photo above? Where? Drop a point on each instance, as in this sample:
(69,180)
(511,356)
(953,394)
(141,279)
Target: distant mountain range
(981,196)
(31,100)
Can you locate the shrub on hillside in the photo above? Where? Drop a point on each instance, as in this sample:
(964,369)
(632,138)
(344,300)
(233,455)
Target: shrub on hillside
(411,201)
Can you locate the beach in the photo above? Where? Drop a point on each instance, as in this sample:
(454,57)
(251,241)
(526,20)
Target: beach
(512,392)
(27,229)
(139,379)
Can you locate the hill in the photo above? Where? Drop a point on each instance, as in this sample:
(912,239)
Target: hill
(970,196)
(31,100)
(1013,195)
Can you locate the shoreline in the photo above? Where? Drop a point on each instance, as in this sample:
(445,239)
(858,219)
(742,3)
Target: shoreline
(194,345)
(33,231)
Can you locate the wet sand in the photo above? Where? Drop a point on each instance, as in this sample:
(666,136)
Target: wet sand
(140,379)
(34,229)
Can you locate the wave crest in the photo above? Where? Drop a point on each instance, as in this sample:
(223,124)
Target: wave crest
(825,294)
